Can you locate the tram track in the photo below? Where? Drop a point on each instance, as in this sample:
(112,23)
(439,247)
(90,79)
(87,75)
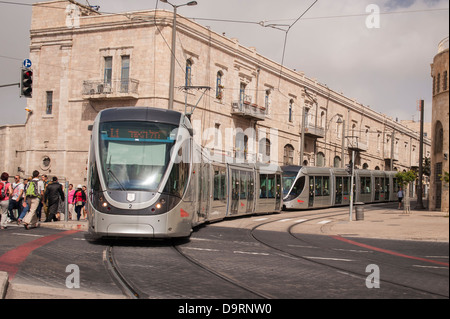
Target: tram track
(324,264)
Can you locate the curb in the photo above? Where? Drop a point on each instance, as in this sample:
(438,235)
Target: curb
(3,284)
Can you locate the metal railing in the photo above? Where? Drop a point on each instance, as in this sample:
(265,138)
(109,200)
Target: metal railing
(128,87)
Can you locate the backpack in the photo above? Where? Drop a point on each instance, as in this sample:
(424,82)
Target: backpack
(3,190)
(32,189)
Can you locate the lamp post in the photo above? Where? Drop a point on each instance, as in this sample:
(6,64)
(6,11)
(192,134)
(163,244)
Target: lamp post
(173,48)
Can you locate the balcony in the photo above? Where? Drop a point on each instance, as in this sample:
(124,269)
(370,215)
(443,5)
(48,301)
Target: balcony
(117,89)
(248,110)
(314,131)
(354,143)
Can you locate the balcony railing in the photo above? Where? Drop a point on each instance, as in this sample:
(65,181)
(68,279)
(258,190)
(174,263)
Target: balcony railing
(354,143)
(314,131)
(247,109)
(117,89)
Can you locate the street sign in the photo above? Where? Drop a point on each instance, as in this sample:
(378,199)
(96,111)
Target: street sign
(27,63)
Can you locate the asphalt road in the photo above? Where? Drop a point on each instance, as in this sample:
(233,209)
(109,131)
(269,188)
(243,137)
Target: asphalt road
(224,263)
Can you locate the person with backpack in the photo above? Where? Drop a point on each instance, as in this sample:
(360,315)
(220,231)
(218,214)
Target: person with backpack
(5,191)
(34,194)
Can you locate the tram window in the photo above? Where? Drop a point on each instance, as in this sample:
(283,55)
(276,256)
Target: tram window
(346,183)
(365,185)
(176,184)
(271,184)
(219,183)
(263,186)
(235,184)
(318,186)
(298,186)
(251,186)
(326,186)
(243,185)
(95,181)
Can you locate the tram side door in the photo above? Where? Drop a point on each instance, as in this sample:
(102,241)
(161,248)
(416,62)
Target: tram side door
(311,191)
(243,192)
(251,191)
(234,191)
(278,192)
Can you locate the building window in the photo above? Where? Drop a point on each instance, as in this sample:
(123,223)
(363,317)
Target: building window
(49,103)
(288,155)
(264,150)
(188,79)
(108,70)
(125,74)
(267,101)
(242,95)
(445,79)
(337,161)
(320,159)
(219,86)
(291,105)
(438,83)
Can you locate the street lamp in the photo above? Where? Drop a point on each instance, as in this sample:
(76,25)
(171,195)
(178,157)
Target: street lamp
(172,60)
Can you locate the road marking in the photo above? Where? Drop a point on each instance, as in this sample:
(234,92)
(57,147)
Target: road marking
(260,219)
(284,220)
(324,222)
(202,249)
(353,250)
(11,260)
(300,246)
(433,267)
(301,220)
(328,258)
(249,253)
(28,235)
(388,251)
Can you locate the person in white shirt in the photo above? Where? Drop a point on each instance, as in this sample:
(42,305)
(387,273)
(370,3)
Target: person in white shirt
(15,202)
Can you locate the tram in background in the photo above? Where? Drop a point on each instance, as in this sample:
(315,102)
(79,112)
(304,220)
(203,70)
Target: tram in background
(317,187)
(148,178)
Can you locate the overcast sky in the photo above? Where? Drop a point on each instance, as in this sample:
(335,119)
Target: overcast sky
(386,68)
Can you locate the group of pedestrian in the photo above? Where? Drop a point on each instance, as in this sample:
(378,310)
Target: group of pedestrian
(34,195)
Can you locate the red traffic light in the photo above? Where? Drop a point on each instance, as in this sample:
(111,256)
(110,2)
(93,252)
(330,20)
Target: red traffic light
(27,82)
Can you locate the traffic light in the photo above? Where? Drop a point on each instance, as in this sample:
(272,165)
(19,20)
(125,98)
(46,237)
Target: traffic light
(26,83)
(348,168)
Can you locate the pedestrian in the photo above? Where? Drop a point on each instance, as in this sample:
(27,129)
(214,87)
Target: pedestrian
(400,195)
(79,198)
(25,206)
(71,205)
(34,194)
(5,191)
(42,204)
(15,202)
(53,195)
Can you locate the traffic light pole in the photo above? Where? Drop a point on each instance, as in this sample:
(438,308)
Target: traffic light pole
(6,85)
(351,185)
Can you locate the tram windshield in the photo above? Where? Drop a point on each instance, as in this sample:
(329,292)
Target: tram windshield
(135,155)
(288,181)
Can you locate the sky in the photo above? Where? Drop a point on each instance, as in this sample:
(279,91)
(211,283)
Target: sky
(382,61)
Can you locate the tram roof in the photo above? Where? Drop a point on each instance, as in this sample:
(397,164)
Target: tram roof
(141,114)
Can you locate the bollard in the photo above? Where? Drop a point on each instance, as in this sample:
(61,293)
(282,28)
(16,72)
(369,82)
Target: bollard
(359,211)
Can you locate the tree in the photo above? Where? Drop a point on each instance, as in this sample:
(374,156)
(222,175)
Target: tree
(404,178)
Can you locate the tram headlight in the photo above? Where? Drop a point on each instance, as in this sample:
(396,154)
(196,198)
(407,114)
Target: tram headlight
(158,206)
(105,204)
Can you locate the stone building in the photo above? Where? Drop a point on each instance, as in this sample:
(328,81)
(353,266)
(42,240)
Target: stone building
(85,61)
(439,196)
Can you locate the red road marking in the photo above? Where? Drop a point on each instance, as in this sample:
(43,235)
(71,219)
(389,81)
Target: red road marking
(10,261)
(390,252)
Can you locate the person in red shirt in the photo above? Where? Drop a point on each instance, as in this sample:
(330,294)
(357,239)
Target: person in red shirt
(79,199)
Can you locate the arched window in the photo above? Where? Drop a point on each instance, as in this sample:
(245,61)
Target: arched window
(365,166)
(288,155)
(264,150)
(438,138)
(337,161)
(320,161)
(188,79)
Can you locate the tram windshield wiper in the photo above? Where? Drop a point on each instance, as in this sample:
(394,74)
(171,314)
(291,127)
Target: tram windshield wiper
(110,172)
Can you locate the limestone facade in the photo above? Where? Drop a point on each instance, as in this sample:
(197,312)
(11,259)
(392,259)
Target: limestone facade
(84,61)
(439,195)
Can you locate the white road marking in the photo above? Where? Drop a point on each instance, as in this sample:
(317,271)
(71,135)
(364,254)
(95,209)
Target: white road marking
(284,220)
(327,258)
(29,235)
(323,222)
(260,219)
(433,267)
(249,253)
(201,249)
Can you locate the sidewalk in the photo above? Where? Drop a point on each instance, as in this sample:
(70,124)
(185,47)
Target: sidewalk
(390,223)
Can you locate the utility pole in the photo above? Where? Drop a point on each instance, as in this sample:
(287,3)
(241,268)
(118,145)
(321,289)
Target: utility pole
(419,204)
(352,185)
